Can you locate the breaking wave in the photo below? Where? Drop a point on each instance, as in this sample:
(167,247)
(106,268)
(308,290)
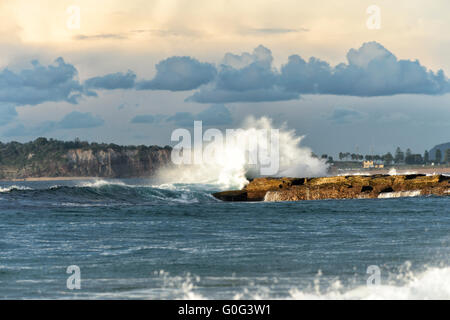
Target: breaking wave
(13,188)
(432,283)
(231,168)
(399,194)
(106,192)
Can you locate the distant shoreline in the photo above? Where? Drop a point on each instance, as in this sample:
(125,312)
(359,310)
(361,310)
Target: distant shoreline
(51,179)
(359,171)
(419,170)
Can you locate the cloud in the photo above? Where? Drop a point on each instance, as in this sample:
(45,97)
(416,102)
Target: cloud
(182,119)
(143,118)
(304,77)
(101,36)
(73,120)
(17,131)
(112,81)
(345,115)
(179,74)
(125,105)
(393,117)
(38,84)
(21,131)
(247,72)
(56,82)
(215,115)
(80,120)
(269,31)
(7,113)
(208,95)
(370,71)
(182,32)
(260,55)
(248,77)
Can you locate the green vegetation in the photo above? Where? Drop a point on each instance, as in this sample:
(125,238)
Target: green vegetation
(48,157)
(20,154)
(400,158)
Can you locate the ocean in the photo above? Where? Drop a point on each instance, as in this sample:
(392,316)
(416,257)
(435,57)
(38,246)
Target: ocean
(139,239)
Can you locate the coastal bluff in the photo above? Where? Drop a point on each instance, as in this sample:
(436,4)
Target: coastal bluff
(64,159)
(339,187)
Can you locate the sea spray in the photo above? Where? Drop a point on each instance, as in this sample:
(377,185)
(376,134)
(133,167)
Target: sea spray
(234,165)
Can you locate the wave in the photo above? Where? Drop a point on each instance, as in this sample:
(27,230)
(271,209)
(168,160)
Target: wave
(13,188)
(432,283)
(101,192)
(102,183)
(399,194)
(242,156)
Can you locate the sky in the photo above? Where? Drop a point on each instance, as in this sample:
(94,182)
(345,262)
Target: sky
(350,76)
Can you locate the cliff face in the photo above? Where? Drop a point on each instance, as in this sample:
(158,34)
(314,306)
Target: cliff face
(82,162)
(341,187)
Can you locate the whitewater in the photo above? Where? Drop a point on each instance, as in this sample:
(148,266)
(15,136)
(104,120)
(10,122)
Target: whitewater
(230,163)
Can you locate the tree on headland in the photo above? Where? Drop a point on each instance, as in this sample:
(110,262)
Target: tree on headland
(408,153)
(414,159)
(399,155)
(388,158)
(426,157)
(447,156)
(438,156)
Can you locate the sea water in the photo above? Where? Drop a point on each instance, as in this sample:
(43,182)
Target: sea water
(143,240)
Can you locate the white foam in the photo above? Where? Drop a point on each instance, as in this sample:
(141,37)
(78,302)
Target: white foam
(231,167)
(393,172)
(434,283)
(399,194)
(12,188)
(100,183)
(354,174)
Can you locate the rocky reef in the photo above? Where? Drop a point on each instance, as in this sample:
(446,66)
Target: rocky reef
(339,187)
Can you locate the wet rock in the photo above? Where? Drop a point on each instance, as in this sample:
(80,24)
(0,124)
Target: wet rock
(339,187)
